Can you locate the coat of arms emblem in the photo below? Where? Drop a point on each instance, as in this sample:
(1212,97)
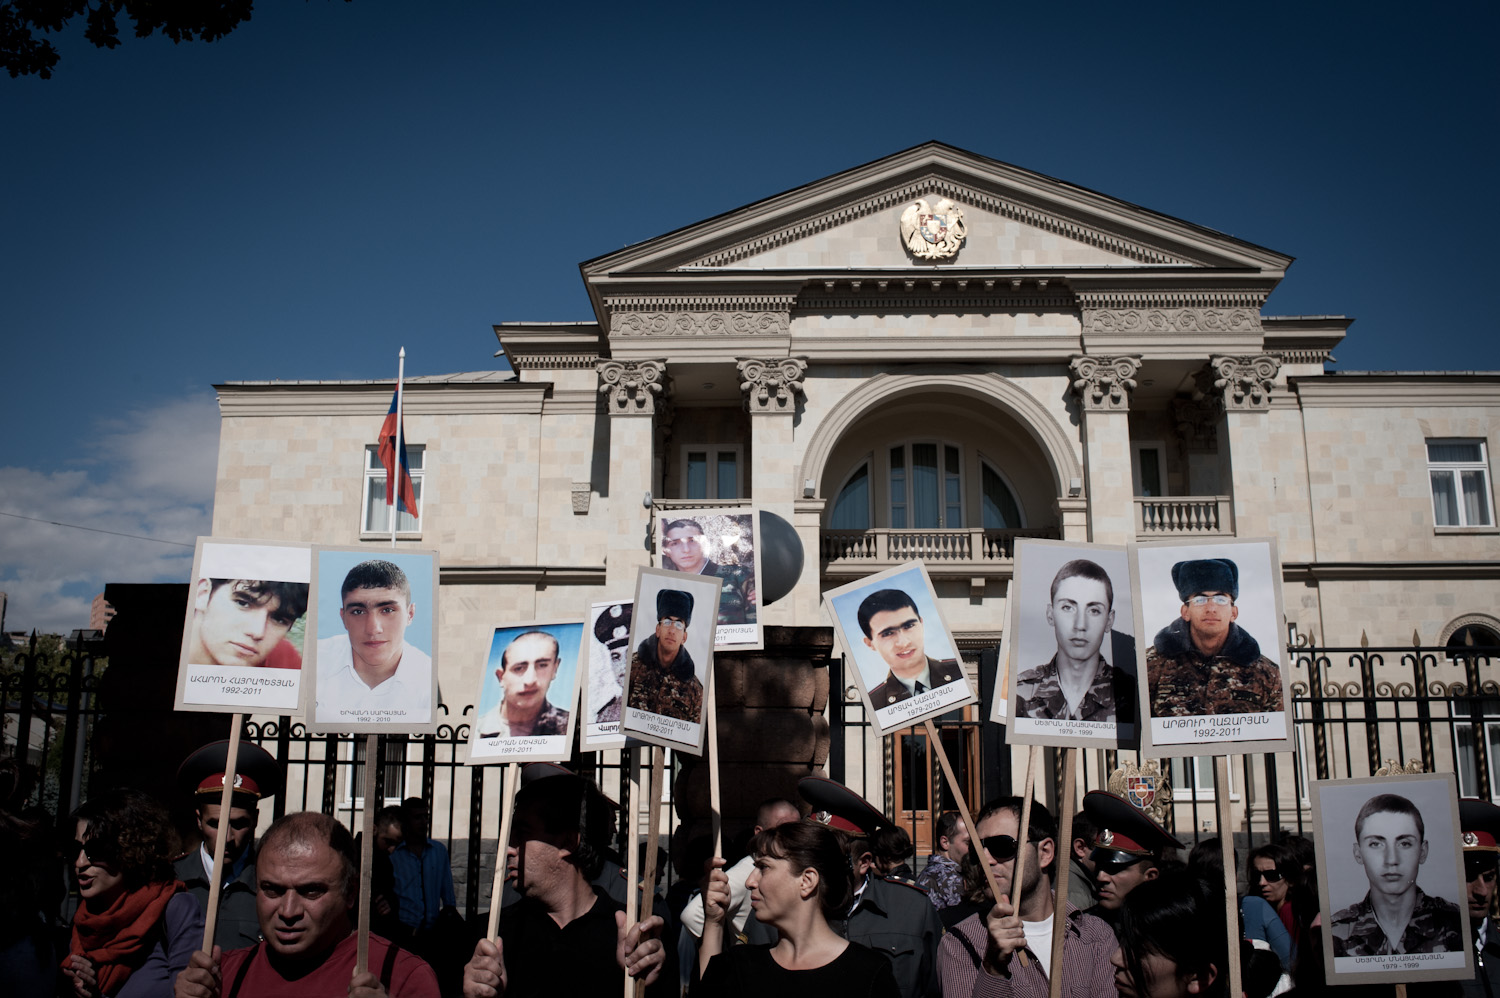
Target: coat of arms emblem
(933,232)
(1145,787)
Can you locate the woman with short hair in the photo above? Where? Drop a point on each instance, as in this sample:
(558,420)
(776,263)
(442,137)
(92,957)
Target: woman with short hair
(799,885)
(1172,940)
(136,925)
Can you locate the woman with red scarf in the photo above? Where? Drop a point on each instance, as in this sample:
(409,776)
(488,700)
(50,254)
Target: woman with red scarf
(136,926)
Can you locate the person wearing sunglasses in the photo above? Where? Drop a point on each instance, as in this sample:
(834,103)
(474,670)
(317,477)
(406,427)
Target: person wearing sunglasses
(1479,821)
(201,777)
(136,925)
(977,956)
(1129,849)
(1203,662)
(663,677)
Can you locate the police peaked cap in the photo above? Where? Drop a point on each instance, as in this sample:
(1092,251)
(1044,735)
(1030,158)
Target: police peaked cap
(256,774)
(1206,575)
(613,626)
(846,810)
(1480,821)
(1125,833)
(674,603)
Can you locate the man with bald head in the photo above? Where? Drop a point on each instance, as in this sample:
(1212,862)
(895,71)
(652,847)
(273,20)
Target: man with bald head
(307,885)
(527,667)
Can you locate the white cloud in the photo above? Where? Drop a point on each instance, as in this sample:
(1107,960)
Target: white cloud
(151,474)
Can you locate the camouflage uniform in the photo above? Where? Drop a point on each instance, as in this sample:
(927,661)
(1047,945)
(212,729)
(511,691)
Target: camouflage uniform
(736,598)
(553,720)
(670,692)
(1111,697)
(1435,927)
(1238,680)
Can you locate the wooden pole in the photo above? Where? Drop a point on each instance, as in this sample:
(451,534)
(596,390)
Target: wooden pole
(1231,886)
(215,876)
(367,852)
(711,715)
(963,812)
(653,823)
(633,857)
(1064,862)
(507,810)
(1018,875)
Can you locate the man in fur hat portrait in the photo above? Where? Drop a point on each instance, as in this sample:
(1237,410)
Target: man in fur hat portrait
(663,679)
(1203,662)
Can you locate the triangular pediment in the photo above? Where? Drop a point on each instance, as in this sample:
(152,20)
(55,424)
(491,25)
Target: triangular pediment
(1015,220)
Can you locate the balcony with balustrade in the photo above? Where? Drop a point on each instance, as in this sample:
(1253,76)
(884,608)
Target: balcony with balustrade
(964,552)
(1162,518)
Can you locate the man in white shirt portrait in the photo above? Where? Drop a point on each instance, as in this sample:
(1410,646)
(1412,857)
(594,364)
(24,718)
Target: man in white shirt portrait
(372,671)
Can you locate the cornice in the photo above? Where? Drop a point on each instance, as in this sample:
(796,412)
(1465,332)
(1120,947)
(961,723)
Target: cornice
(374,400)
(521,575)
(1332,391)
(1052,348)
(572,401)
(1378,571)
(1168,298)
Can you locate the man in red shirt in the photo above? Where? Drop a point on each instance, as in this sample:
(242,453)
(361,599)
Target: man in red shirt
(307,885)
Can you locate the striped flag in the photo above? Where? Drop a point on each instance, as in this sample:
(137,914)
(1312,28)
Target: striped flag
(404,499)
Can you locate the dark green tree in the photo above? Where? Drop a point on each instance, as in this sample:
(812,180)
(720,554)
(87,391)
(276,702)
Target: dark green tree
(23,53)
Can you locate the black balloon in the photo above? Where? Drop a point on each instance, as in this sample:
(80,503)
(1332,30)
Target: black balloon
(780,558)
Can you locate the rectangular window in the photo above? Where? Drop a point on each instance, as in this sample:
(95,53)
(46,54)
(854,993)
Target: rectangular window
(710,472)
(1147,463)
(1463,747)
(392,777)
(1193,779)
(1460,478)
(377,515)
(898,488)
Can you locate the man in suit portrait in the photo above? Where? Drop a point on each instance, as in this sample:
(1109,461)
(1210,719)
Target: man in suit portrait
(893,628)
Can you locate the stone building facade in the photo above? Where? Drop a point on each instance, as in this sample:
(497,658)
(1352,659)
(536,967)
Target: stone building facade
(926,356)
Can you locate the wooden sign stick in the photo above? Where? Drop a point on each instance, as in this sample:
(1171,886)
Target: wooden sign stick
(1231,886)
(1064,861)
(1018,877)
(215,876)
(963,810)
(653,822)
(633,856)
(367,852)
(712,717)
(507,810)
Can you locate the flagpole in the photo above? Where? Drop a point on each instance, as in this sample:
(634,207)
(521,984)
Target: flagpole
(400,443)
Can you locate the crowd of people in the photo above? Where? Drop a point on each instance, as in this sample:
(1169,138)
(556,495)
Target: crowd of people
(821,901)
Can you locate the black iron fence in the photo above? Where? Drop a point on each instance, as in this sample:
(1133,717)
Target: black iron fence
(1356,710)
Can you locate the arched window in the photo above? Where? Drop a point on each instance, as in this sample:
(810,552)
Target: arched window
(851,510)
(1483,637)
(1001,511)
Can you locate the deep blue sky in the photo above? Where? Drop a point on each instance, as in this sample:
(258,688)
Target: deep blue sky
(332,181)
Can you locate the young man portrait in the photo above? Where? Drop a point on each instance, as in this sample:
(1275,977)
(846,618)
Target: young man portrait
(663,678)
(527,668)
(372,666)
(244,622)
(686,549)
(893,630)
(1077,684)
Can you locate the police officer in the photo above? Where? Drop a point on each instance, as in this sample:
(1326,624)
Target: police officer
(1480,824)
(201,776)
(893,628)
(1129,847)
(891,916)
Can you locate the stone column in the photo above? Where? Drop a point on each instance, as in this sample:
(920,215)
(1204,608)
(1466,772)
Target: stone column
(1103,386)
(771,389)
(631,390)
(1240,387)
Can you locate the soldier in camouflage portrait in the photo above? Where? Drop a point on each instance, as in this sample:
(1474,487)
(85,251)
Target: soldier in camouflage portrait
(663,677)
(527,668)
(685,548)
(1077,683)
(1203,662)
(1395,915)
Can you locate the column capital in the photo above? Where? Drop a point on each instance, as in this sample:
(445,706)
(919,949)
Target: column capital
(772,385)
(1240,384)
(631,387)
(1104,384)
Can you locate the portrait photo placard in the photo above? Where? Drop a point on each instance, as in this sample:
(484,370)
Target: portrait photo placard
(1072,646)
(1000,698)
(245,635)
(607,638)
(906,663)
(527,694)
(722,543)
(671,658)
(1389,860)
(374,618)
(1212,648)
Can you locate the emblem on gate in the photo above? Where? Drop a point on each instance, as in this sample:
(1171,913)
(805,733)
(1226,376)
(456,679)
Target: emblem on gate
(1144,787)
(933,233)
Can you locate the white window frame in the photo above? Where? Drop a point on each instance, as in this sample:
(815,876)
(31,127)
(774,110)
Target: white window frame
(1464,762)
(374,486)
(1454,470)
(963,505)
(1135,465)
(1202,787)
(353,772)
(715,452)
